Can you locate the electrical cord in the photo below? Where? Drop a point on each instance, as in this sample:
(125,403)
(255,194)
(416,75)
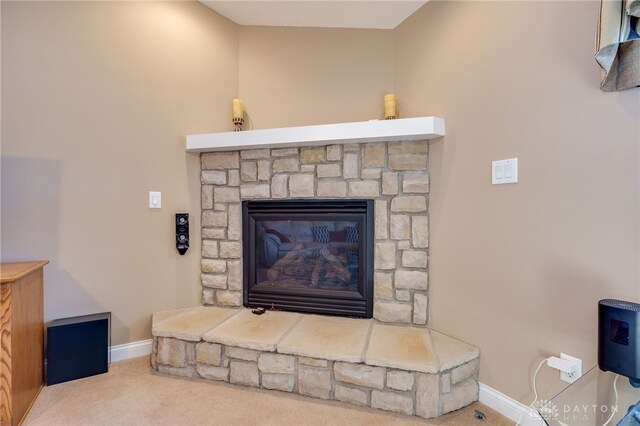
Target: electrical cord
(535,389)
(613,411)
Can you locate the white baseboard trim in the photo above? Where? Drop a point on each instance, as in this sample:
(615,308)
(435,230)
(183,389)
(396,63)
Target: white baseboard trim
(509,407)
(130,350)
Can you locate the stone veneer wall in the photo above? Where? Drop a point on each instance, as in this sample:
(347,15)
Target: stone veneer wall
(393,174)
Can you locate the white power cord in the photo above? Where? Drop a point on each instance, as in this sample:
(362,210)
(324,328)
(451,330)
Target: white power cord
(613,411)
(535,389)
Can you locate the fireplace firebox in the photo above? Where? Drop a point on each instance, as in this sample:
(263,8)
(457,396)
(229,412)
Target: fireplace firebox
(313,256)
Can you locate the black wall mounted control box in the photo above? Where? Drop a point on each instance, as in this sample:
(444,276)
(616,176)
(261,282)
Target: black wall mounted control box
(182,232)
(619,337)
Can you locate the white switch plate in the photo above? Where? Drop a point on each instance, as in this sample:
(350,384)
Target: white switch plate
(504,171)
(155,200)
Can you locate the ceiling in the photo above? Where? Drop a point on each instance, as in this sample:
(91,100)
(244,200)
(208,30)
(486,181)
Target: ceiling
(377,14)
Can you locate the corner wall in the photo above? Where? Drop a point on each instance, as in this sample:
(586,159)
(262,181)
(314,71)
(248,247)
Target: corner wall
(97,98)
(525,263)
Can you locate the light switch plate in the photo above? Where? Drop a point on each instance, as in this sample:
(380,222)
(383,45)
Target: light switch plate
(504,171)
(155,200)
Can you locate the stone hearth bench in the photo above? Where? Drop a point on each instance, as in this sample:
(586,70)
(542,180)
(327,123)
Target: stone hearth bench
(415,371)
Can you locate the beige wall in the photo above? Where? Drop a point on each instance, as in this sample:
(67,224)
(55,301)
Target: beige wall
(303,76)
(96,100)
(525,263)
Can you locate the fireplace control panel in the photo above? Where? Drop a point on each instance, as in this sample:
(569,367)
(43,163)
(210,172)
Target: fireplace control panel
(182,232)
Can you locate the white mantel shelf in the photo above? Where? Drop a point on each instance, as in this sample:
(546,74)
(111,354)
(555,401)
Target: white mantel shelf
(403,129)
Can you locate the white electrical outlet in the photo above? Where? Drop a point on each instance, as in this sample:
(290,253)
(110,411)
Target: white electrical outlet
(577,373)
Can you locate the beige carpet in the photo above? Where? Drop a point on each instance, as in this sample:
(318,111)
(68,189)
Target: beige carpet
(131,394)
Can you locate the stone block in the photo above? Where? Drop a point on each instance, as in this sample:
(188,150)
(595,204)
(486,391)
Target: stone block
(208,353)
(284,152)
(276,363)
(213,266)
(235,222)
(329,170)
(286,165)
(264,170)
(308,168)
(314,382)
(188,371)
(419,308)
(334,153)
(241,353)
(385,256)
(383,285)
(403,295)
(445,383)
(230,250)
(370,173)
(279,186)
(249,171)
(220,207)
(214,281)
(206,197)
(244,373)
(414,259)
(359,374)
(351,147)
(220,160)
(392,312)
(255,190)
(301,186)
(350,166)
(208,296)
(414,280)
(281,382)
(315,362)
(460,396)
(409,204)
(234,275)
(420,231)
(418,147)
(427,395)
(408,162)
(364,188)
(400,380)
(234,177)
(464,371)
(389,183)
(312,155)
(209,248)
(214,233)
(254,154)
(229,298)
(172,352)
(373,155)
(214,219)
(415,183)
(391,401)
(381,219)
(212,372)
(213,177)
(400,227)
(350,395)
(332,188)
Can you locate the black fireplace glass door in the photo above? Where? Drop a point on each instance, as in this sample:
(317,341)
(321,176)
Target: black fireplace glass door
(309,256)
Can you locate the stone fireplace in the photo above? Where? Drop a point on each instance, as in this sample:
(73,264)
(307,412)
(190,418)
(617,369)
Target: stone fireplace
(393,175)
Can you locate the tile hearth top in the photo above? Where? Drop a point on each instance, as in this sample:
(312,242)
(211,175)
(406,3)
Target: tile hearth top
(337,339)
(250,331)
(332,338)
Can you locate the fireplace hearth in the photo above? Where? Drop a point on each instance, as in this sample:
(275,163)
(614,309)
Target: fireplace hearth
(313,256)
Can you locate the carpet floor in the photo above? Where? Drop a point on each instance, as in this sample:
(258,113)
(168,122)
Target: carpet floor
(132,394)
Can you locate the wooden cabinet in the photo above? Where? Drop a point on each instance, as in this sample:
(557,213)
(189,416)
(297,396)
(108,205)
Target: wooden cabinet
(21,338)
